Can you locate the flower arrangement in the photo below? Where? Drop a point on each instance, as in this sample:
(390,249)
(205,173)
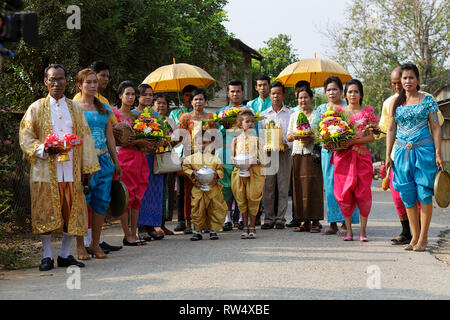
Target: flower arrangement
(63,145)
(303,126)
(150,126)
(360,120)
(334,128)
(52,141)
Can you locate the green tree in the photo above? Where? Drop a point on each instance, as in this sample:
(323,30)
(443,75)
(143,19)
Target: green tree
(278,53)
(133,36)
(379,35)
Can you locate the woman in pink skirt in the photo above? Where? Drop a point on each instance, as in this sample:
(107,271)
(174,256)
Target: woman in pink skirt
(353,166)
(134,165)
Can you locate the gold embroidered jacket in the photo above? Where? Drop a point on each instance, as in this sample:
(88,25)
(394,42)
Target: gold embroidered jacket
(46,214)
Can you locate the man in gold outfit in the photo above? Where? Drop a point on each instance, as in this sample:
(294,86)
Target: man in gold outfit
(57,199)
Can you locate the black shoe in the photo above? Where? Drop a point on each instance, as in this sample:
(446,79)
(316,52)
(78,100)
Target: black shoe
(46,264)
(196,237)
(294,223)
(106,251)
(267,225)
(156,235)
(109,247)
(279,225)
(213,236)
(180,226)
(241,225)
(228,226)
(69,261)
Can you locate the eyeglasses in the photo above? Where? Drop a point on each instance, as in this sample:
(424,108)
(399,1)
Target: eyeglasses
(59,80)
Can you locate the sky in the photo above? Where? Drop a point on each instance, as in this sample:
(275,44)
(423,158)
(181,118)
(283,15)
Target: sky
(256,21)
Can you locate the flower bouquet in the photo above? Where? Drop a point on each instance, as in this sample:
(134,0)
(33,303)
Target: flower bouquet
(361,120)
(62,147)
(333,129)
(155,129)
(303,126)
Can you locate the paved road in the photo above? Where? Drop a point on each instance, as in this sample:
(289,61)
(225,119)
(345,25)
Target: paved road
(279,264)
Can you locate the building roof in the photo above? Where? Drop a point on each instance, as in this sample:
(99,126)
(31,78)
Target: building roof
(447,86)
(236,43)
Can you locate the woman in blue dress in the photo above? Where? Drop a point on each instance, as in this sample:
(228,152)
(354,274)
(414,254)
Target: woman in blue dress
(417,153)
(333,89)
(98,116)
(150,213)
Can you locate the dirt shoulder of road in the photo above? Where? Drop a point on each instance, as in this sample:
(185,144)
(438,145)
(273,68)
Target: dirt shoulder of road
(20,249)
(442,250)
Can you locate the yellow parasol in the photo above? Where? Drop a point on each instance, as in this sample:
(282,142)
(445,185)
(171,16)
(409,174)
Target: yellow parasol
(174,77)
(315,71)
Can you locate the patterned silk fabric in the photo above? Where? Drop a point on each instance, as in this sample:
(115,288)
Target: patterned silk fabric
(412,120)
(35,126)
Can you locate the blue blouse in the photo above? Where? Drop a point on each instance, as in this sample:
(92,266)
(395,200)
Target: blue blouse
(412,121)
(97,124)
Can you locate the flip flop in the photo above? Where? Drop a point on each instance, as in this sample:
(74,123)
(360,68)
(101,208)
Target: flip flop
(347,238)
(363,239)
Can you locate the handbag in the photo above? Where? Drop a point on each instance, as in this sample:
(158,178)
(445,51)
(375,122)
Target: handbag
(166,163)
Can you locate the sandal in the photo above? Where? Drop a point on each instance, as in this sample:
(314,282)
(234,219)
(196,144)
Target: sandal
(245,235)
(399,240)
(97,254)
(302,228)
(144,236)
(252,234)
(329,231)
(83,254)
(419,248)
(196,237)
(315,229)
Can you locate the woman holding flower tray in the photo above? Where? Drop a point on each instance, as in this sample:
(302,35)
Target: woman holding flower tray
(333,89)
(151,212)
(307,183)
(353,166)
(134,164)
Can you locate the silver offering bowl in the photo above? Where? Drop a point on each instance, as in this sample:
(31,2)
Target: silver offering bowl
(243,162)
(205,175)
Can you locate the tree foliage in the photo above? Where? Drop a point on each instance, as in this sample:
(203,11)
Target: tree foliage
(379,35)
(133,37)
(278,53)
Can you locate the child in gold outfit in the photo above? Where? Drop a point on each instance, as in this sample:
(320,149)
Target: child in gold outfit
(247,190)
(208,207)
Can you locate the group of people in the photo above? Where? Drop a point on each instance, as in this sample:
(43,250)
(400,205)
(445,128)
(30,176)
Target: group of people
(313,173)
